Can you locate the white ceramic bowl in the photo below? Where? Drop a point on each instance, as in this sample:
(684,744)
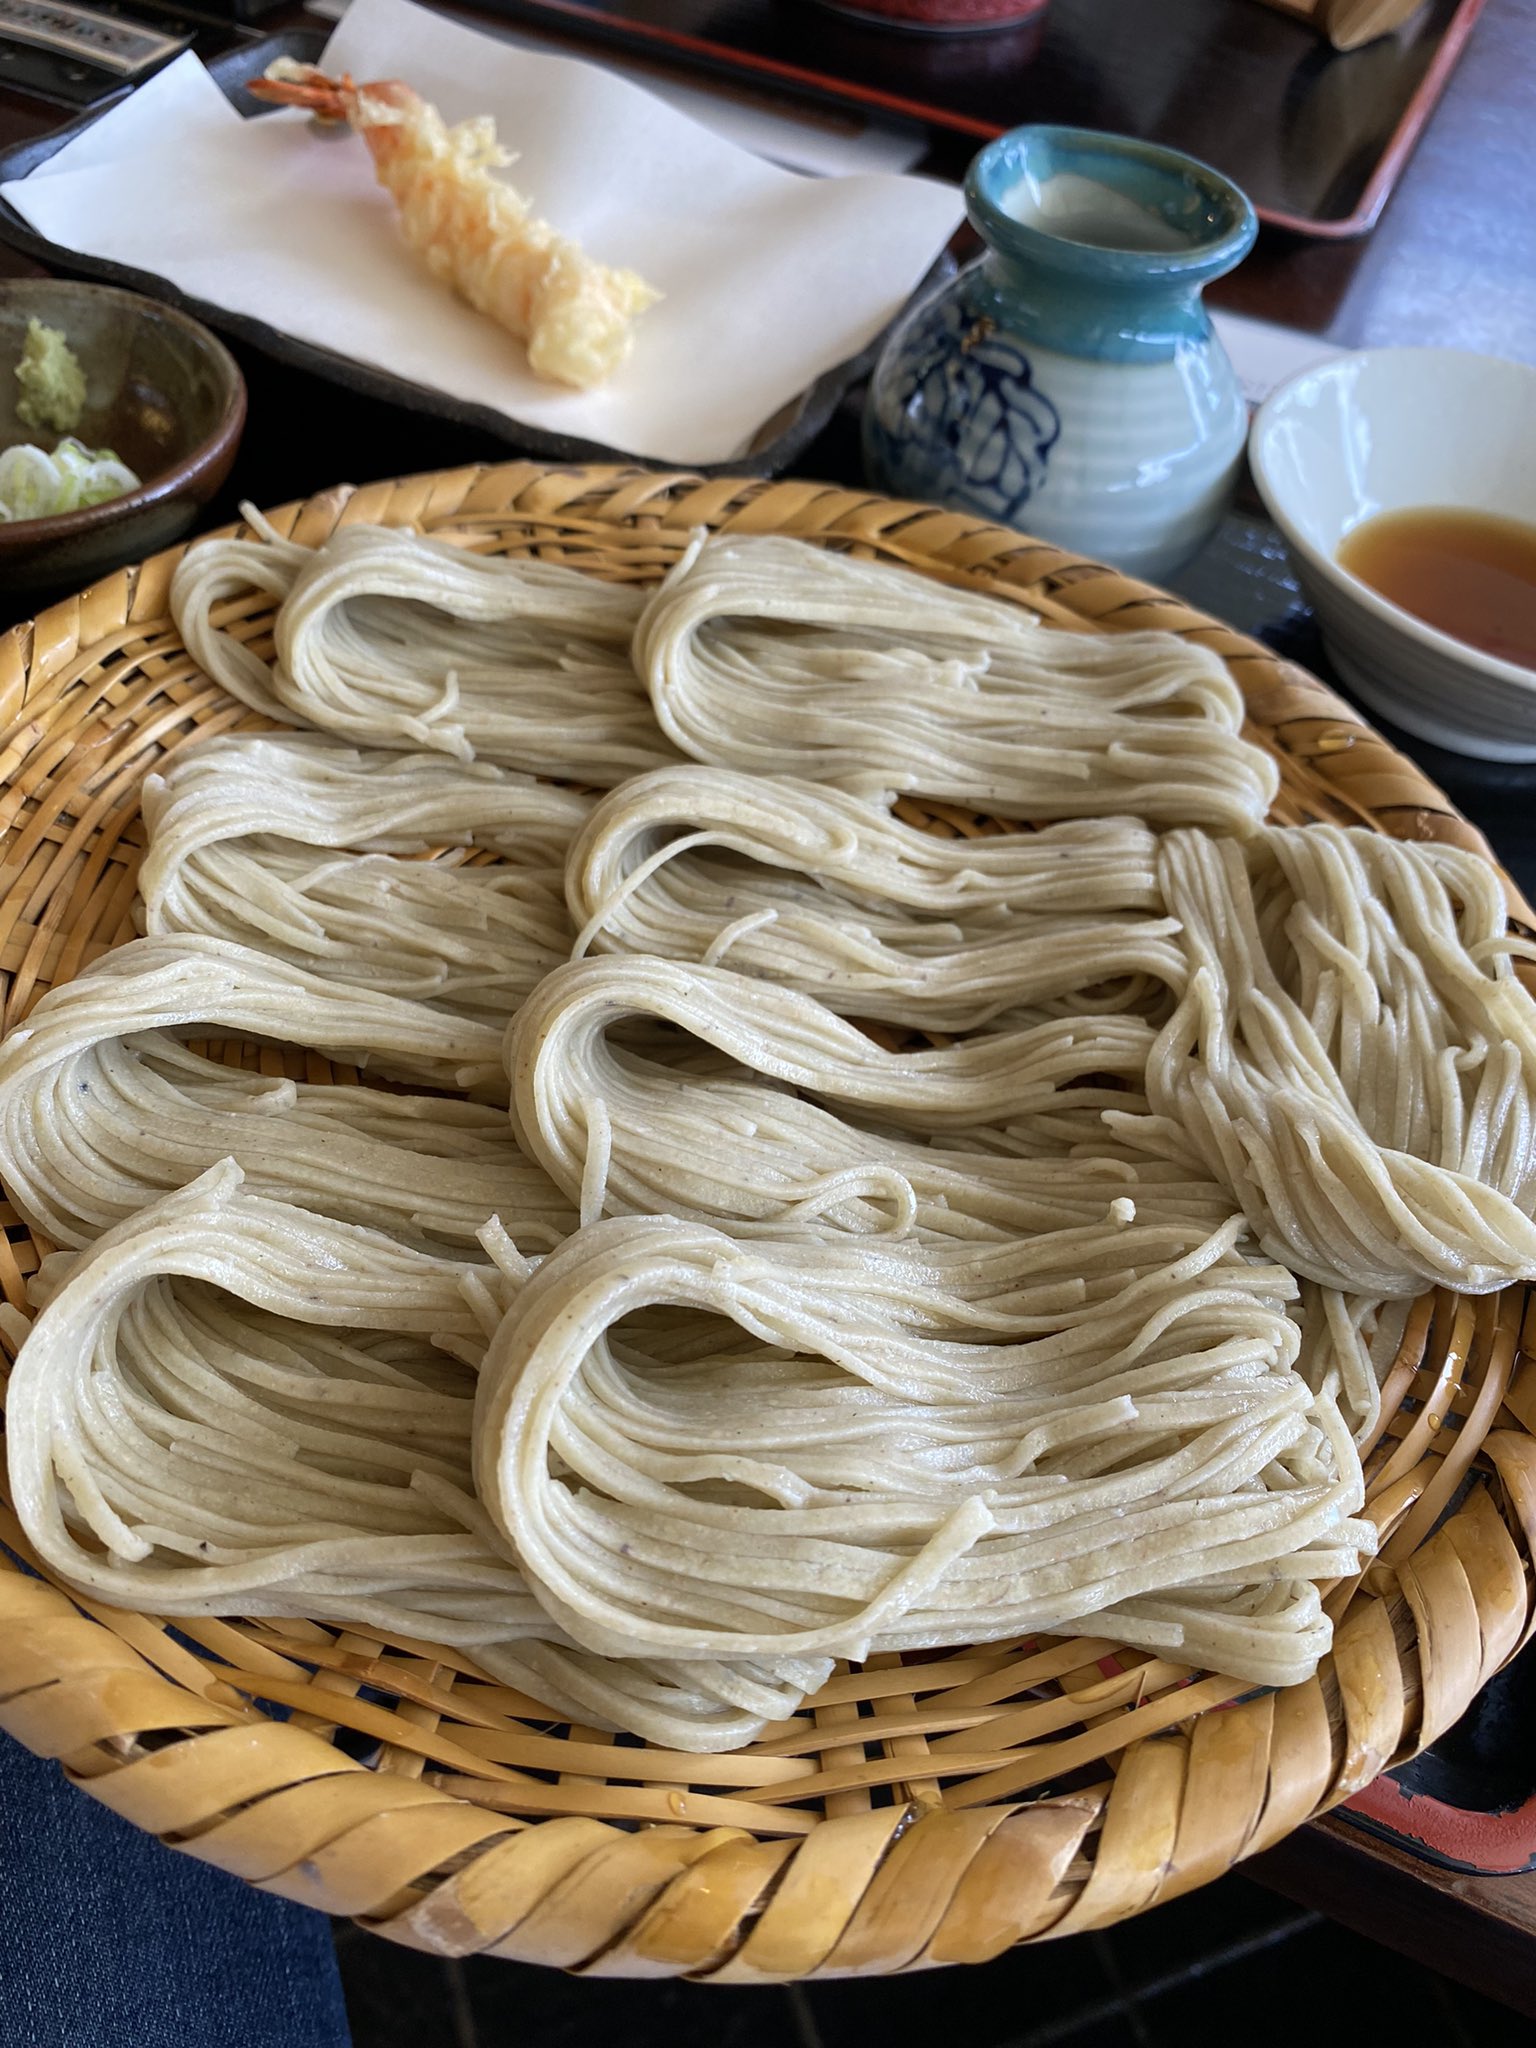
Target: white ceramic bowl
(1387,430)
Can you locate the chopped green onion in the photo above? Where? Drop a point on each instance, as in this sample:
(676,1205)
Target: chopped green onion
(34,485)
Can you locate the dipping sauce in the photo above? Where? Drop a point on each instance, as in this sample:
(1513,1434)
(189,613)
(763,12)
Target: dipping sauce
(1468,574)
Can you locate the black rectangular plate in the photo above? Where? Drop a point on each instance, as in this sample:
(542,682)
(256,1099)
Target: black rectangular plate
(778,444)
(1316,137)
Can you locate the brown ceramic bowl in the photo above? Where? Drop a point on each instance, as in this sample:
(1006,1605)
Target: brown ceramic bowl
(159,390)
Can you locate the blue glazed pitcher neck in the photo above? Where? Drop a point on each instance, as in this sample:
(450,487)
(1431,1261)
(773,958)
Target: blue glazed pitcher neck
(1104,323)
(1100,246)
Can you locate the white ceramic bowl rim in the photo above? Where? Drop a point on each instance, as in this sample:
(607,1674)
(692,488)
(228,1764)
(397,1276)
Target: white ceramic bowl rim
(1327,566)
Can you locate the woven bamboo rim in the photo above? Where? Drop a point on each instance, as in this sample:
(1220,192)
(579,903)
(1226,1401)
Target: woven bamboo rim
(915,1814)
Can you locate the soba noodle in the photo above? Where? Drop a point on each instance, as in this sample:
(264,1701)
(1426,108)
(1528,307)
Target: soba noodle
(288,843)
(874,1489)
(217,574)
(396,640)
(768,654)
(803,885)
(623,1133)
(830,1350)
(1354,1057)
(101,1109)
(229,1404)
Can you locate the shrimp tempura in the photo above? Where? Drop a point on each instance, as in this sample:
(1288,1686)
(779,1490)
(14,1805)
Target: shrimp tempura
(476,233)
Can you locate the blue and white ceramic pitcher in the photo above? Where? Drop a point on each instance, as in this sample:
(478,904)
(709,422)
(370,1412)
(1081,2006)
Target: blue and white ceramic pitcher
(1069,381)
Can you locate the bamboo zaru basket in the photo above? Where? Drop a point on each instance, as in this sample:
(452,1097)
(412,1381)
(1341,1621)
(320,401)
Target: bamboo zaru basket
(916,1813)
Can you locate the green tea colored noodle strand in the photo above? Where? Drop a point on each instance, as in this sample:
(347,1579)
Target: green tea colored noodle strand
(804,885)
(615,1127)
(229,1406)
(101,1109)
(871,1488)
(289,843)
(770,655)
(1354,1056)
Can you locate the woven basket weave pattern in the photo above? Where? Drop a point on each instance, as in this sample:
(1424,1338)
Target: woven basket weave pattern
(915,1814)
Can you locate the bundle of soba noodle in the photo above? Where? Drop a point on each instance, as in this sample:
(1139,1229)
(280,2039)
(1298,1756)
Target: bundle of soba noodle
(1139,1435)
(398,641)
(768,654)
(232,1400)
(1354,1057)
(233,578)
(232,1405)
(102,1108)
(625,1133)
(615,1128)
(804,885)
(287,843)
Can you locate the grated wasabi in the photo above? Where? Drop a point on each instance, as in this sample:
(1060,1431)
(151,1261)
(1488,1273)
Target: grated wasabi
(52,382)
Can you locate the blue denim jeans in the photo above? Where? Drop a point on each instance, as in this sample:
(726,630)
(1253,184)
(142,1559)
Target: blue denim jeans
(109,1940)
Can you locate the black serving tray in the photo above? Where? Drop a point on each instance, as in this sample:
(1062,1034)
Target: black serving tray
(778,444)
(1316,137)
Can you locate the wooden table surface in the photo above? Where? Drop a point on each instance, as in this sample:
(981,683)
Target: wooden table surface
(1452,263)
